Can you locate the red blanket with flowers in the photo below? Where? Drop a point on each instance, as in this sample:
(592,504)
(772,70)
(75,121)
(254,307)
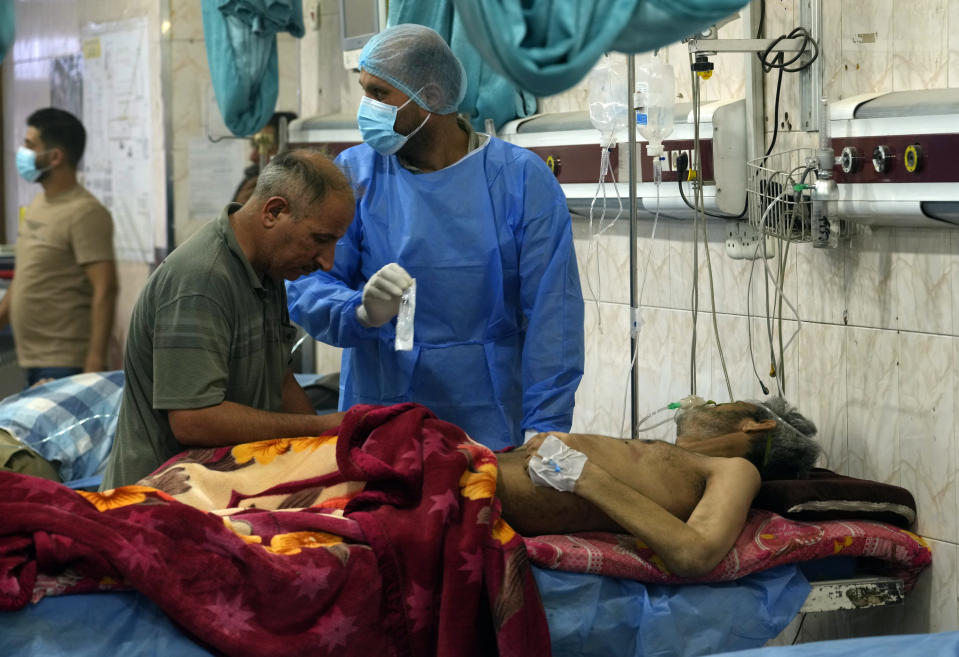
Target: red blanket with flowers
(385,540)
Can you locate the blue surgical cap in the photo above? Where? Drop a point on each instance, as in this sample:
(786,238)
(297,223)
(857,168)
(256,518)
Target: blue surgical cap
(417,61)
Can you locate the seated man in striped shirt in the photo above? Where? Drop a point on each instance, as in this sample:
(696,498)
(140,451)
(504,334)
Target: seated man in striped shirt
(208,356)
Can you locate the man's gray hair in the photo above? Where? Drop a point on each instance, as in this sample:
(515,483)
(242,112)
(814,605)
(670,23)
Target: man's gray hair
(301,178)
(789,450)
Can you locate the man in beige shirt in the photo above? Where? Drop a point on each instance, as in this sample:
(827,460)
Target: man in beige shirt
(62,298)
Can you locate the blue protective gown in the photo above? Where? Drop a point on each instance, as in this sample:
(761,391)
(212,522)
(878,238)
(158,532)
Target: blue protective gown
(498,329)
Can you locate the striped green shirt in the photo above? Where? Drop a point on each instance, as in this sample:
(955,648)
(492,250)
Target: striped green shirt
(205,329)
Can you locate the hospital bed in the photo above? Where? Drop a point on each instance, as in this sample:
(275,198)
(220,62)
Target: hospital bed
(590,586)
(903,645)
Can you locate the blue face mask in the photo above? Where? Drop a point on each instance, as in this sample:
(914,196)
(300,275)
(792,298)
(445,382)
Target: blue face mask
(27,164)
(376,121)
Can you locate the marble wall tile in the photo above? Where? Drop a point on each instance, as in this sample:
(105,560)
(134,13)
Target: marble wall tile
(760,287)
(326,86)
(97,11)
(680,249)
(872,404)
(830,43)
(781,18)
(606,382)
(821,273)
(652,265)
(677,56)
(758,360)
(573,99)
(186,20)
(866,47)
(931,605)
(663,361)
(872,292)
(729,77)
(927,431)
(729,277)
(817,376)
(132,277)
(923,271)
(603,260)
(709,375)
(733,331)
(953,237)
(191,89)
(953,65)
(921,45)
(288,54)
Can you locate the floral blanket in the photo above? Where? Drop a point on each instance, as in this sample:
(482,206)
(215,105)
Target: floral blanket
(767,540)
(383,540)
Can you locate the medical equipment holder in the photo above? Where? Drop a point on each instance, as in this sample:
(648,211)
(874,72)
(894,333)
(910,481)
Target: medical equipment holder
(779,205)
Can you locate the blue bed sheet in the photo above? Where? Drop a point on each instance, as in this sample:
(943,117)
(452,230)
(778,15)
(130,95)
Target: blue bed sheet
(588,615)
(900,645)
(609,617)
(94,625)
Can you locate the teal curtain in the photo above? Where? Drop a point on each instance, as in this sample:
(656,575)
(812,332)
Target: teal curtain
(547,46)
(489,95)
(6,26)
(240,40)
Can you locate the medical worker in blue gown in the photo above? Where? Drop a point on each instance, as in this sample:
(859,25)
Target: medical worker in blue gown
(482,226)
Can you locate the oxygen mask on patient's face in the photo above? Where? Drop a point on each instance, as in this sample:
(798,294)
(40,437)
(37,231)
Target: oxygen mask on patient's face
(681,406)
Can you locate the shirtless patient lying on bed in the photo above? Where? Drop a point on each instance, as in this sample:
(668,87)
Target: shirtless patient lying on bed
(686,502)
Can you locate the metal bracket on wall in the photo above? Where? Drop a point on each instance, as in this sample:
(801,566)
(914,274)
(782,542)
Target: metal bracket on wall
(810,79)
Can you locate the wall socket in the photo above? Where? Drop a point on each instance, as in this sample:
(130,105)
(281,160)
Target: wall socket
(742,241)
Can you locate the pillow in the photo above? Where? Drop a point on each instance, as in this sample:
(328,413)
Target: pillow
(825,495)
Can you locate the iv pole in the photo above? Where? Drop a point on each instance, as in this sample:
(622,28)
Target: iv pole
(633,245)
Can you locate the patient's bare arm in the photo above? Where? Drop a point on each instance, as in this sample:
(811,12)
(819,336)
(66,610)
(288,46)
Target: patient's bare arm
(689,548)
(688,508)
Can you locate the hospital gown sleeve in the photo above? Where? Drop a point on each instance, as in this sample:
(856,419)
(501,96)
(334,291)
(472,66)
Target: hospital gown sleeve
(324,303)
(552,301)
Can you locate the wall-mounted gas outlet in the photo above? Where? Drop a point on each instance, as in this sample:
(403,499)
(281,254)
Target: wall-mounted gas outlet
(743,241)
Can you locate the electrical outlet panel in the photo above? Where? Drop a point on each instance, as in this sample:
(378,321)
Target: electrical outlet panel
(743,241)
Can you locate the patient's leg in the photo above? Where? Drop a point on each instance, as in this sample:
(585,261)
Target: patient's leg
(17,457)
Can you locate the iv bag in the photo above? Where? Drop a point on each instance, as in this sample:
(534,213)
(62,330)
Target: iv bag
(654,102)
(607,97)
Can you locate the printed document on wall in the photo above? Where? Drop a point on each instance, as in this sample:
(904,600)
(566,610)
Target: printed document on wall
(119,167)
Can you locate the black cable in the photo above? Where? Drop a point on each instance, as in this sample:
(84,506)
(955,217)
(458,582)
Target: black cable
(779,86)
(799,629)
(780,62)
(785,65)
(682,166)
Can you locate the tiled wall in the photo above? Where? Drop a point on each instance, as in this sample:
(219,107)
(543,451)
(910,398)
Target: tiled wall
(874,361)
